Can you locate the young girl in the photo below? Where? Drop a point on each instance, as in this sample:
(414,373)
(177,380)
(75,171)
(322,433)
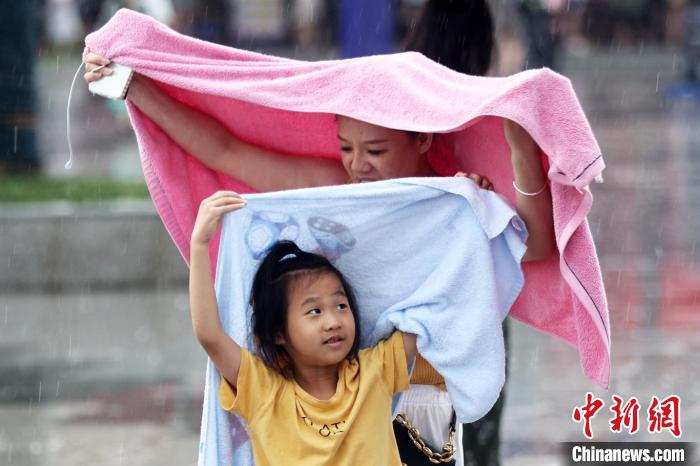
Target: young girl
(311,396)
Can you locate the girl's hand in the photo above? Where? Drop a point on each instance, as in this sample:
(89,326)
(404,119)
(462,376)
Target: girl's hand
(519,140)
(210,212)
(481,181)
(96,67)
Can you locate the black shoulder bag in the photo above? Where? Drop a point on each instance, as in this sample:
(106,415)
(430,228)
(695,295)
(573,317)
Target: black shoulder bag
(414,451)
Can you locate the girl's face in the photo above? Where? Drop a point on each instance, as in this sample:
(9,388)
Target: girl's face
(373,153)
(320,323)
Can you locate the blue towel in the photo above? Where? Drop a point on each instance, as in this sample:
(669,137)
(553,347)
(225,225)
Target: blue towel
(437,257)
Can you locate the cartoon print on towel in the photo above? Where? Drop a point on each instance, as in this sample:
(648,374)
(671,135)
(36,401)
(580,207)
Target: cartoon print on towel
(334,239)
(239,434)
(266,228)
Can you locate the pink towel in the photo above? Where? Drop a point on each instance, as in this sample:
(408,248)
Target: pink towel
(290,106)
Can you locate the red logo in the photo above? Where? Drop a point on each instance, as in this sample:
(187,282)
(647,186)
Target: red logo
(586,412)
(662,414)
(625,416)
(665,414)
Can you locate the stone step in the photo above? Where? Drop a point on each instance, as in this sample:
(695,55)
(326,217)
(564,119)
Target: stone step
(69,246)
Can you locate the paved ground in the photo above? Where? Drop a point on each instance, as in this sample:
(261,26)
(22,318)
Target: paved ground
(115,378)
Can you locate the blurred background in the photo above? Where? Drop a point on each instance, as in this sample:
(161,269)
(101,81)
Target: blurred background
(98,364)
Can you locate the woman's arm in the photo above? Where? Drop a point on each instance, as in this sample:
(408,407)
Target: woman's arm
(212,144)
(223,351)
(409,346)
(536,211)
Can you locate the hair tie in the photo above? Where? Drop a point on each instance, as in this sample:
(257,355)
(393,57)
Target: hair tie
(287,253)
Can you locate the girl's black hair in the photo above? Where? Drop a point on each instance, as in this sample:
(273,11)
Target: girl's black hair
(455,33)
(269,299)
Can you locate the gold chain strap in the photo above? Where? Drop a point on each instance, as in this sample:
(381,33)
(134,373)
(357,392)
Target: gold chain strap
(448,449)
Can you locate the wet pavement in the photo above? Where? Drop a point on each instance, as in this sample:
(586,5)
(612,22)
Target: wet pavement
(106,378)
(116,377)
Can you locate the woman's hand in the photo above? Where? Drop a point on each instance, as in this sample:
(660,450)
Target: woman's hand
(96,67)
(141,89)
(481,181)
(210,212)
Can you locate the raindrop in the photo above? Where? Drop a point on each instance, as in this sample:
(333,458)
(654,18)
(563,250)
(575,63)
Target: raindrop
(674,64)
(658,77)
(41,389)
(14,143)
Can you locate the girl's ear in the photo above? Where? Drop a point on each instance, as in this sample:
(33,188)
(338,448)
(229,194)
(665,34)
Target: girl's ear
(425,140)
(280,340)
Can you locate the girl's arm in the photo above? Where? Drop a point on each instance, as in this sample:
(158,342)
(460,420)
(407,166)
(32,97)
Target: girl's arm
(223,351)
(536,211)
(212,144)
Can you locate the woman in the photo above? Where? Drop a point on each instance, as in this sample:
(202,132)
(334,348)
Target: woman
(367,153)
(458,34)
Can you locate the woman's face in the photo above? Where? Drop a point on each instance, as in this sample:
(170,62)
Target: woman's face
(373,153)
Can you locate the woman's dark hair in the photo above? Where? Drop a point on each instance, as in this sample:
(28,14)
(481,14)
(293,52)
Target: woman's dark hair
(455,33)
(281,267)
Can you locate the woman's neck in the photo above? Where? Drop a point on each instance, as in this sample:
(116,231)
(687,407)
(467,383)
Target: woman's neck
(425,169)
(318,381)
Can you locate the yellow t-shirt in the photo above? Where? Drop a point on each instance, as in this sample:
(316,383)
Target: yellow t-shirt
(288,426)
